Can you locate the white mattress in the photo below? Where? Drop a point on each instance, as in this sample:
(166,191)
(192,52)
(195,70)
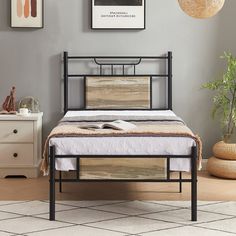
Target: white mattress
(122,145)
(71,114)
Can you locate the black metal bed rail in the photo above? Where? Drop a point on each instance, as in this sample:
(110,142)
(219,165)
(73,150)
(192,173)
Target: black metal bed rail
(153,109)
(116,57)
(124,180)
(123,156)
(108,75)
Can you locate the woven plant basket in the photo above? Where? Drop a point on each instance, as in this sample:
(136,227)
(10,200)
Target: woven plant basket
(226,151)
(222,168)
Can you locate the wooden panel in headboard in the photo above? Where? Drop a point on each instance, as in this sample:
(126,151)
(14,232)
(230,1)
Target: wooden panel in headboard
(117,92)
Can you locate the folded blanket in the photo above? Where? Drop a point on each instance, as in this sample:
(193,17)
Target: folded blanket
(153,129)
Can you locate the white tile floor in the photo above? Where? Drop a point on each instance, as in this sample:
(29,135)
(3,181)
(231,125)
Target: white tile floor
(118,218)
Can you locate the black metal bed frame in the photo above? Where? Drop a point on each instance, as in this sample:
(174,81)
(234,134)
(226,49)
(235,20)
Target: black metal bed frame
(133,61)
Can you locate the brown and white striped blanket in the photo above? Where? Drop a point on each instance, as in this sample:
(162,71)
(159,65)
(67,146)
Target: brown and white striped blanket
(161,127)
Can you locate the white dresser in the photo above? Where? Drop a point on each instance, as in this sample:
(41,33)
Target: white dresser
(20,145)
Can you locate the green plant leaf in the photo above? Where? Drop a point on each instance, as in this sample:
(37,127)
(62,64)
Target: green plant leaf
(224,101)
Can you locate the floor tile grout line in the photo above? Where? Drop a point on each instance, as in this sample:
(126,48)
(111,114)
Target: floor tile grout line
(49,229)
(17,202)
(89,208)
(177,224)
(7,232)
(124,214)
(137,214)
(43,213)
(57,211)
(155,212)
(132,235)
(69,224)
(18,235)
(117,218)
(37,216)
(224,231)
(106,204)
(44,230)
(143,233)
(73,225)
(163,204)
(191,223)
(147,214)
(219,213)
(165,221)
(93,222)
(60,221)
(110,230)
(72,209)
(23,215)
(212,221)
(213,203)
(158,230)
(13,218)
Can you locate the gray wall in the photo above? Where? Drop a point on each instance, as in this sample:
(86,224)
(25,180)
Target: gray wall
(30,59)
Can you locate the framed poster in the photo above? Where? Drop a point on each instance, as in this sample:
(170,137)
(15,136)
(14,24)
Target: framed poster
(118,14)
(27,13)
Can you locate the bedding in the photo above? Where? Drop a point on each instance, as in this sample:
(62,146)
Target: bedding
(157,133)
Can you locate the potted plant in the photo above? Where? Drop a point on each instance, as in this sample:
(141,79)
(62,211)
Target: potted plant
(225,99)
(223,163)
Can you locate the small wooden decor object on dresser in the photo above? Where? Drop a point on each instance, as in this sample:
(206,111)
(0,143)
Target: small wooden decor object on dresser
(20,145)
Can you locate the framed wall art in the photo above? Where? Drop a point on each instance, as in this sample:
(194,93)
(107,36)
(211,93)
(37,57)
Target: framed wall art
(118,14)
(27,13)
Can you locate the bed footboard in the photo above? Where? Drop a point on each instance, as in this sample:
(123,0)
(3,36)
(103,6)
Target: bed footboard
(180,180)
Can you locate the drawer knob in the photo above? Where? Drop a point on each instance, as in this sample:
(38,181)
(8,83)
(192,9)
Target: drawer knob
(15,155)
(15,131)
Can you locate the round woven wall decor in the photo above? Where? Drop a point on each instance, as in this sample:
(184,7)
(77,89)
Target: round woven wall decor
(201,8)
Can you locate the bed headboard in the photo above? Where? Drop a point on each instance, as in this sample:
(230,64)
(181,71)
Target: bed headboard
(107,67)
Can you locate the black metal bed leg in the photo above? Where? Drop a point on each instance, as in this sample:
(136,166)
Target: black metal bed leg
(180,183)
(52,184)
(78,168)
(60,182)
(194,184)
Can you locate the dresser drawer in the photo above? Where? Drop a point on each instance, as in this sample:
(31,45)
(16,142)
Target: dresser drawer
(16,131)
(16,155)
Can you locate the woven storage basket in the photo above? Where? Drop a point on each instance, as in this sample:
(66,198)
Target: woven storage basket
(226,151)
(222,168)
